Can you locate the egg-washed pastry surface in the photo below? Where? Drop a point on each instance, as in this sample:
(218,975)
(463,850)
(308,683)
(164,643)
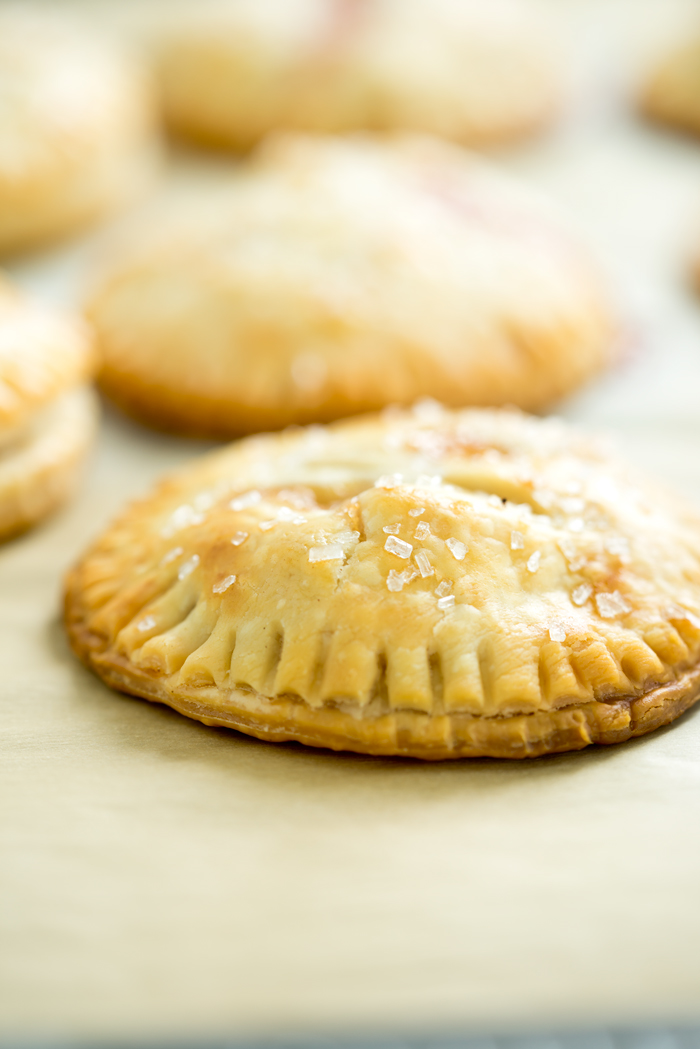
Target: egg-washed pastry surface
(47,411)
(475,72)
(338,275)
(76,126)
(426,583)
(672,93)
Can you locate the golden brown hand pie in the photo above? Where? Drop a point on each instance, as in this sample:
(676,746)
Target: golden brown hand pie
(471,71)
(338,275)
(427,583)
(47,412)
(672,93)
(76,126)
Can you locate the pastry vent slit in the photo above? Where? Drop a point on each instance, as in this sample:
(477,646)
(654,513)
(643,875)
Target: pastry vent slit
(319,668)
(437,681)
(274,656)
(543,674)
(580,679)
(484,659)
(380,687)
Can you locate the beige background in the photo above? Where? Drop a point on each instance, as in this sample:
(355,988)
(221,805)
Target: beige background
(158,877)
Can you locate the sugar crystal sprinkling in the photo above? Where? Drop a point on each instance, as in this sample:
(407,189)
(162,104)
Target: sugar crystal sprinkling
(456,548)
(346,537)
(443,588)
(424,566)
(611,605)
(422,531)
(517,540)
(329,552)
(188,567)
(572,505)
(222,586)
(245,500)
(428,410)
(397,546)
(568,548)
(392,529)
(203,501)
(533,561)
(576,524)
(396,581)
(147,624)
(286,514)
(289,495)
(444,603)
(544,497)
(557,633)
(619,547)
(428,480)
(265,526)
(172,555)
(388,481)
(580,595)
(416,511)
(239,537)
(183,517)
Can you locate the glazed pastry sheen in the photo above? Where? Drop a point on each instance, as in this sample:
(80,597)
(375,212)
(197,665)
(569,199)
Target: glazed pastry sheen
(429,584)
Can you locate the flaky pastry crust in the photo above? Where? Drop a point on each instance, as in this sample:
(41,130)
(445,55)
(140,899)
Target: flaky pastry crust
(427,584)
(473,72)
(76,126)
(337,276)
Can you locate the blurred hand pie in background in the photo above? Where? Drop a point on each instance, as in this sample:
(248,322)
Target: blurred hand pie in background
(335,276)
(672,92)
(47,412)
(430,584)
(76,126)
(464,69)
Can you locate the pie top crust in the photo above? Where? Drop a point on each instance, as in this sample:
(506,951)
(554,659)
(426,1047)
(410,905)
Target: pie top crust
(336,276)
(426,564)
(43,354)
(462,69)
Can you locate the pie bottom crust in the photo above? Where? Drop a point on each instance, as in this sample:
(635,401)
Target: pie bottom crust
(402,733)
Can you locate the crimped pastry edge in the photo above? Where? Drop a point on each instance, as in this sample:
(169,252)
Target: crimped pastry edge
(404,733)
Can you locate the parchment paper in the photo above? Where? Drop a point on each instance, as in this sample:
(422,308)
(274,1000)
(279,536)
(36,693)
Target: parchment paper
(159,878)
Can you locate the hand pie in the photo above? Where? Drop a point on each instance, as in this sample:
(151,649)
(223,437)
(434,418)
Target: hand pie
(75,127)
(463,69)
(336,276)
(428,584)
(672,93)
(47,412)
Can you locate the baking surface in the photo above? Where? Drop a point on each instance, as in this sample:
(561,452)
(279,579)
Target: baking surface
(158,877)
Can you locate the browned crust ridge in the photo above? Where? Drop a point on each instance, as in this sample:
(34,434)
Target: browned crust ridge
(401,733)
